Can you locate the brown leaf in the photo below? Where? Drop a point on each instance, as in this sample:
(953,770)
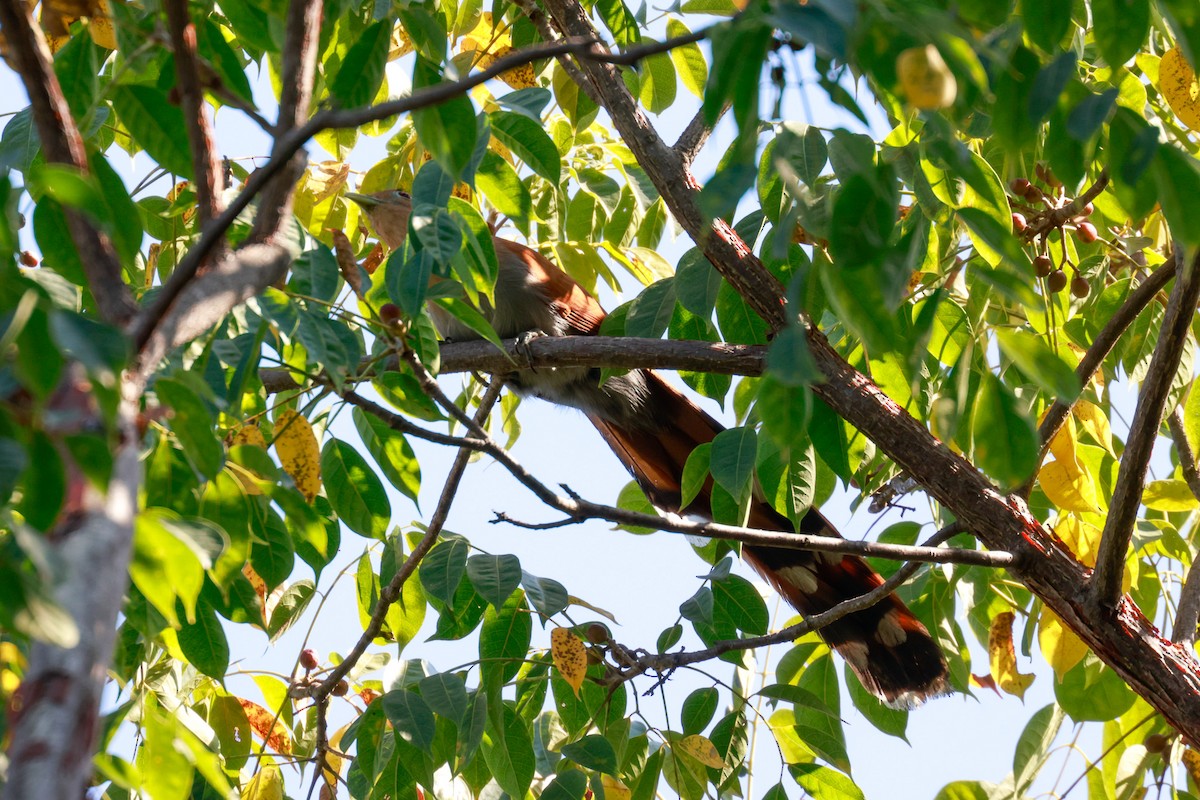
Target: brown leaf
(270,729)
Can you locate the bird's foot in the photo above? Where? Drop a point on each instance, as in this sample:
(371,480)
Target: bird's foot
(523,340)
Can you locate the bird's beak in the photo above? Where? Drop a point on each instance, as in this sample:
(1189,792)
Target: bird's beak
(364,200)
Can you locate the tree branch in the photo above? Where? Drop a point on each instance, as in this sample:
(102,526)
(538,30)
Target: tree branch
(693,137)
(205,165)
(391,593)
(1147,419)
(62,144)
(1093,359)
(1187,616)
(1163,673)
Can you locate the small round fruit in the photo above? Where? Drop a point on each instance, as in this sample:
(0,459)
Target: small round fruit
(1086,232)
(1019,186)
(28,259)
(1056,281)
(925,80)
(1019,223)
(596,633)
(1043,265)
(308,659)
(1088,208)
(342,688)
(1156,743)
(1080,287)
(389,314)
(1033,194)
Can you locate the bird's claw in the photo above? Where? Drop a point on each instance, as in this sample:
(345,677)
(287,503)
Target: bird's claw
(523,340)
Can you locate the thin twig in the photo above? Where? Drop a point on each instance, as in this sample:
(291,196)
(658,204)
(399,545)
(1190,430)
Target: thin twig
(693,137)
(660,663)
(1187,616)
(62,143)
(1147,419)
(1104,343)
(391,593)
(205,165)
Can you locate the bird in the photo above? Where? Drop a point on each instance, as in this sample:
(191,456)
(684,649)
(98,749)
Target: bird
(652,428)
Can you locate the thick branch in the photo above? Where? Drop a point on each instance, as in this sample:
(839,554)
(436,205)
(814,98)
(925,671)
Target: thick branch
(62,144)
(205,165)
(1165,674)
(1147,419)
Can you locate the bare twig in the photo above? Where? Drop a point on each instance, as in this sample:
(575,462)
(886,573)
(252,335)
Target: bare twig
(636,663)
(205,165)
(391,593)
(62,144)
(1147,419)
(1093,359)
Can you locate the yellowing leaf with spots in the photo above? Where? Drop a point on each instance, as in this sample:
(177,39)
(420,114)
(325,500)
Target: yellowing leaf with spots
(267,784)
(570,657)
(614,789)
(268,726)
(1068,486)
(1003,657)
(1191,760)
(299,454)
(489,43)
(1061,647)
(1177,82)
(701,749)
(1169,495)
(248,434)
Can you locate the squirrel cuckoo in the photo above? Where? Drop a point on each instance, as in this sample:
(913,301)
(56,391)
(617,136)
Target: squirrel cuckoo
(652,428)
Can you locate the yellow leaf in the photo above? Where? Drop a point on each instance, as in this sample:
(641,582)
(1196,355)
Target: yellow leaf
(1003,657)
(268,726)
(614,789)
(701,749)
(299,454)
(1092,418)
(1169,495)
(267,784)
(1068,486)
(1191,760)
(925,80)
(333,761)
(1063,443)
(1080,537)
(249,434)
(570,657)
(1061,647)
(1177,82)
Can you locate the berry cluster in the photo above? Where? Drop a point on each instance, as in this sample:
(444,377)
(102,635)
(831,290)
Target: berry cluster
(1050,209)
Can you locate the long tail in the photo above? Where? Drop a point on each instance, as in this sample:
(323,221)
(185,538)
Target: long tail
(886,645)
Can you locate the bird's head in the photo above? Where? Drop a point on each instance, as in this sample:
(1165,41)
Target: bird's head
(388,212)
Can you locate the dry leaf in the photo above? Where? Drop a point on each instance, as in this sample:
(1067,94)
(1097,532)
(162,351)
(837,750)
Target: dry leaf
(1003,657)
(299,454)
(270,729)
(570,657)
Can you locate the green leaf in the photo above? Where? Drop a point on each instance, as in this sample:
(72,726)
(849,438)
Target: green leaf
(620,21)
(688,59)
(734,452)
(203,643)
(361,72)
(193,424)
(1092,692)
(1045,23)
(697,283)
(354,491)
(44,484)
(650,312)
(494,577)
(504,640)
(1034,745)
(698,710)
(789,360)
(272,554)
(446,694)
(156,125)
(1041,364)
(13,461)
(411,717)
(1120,28)
(528,141)
(695,473)
(164,568)
(503,188)
(737,605)
(659,83)
(823,783)
(448,129)
(547,595)
(1178,179)
(508,751)
(391,452)
(290,607)
(1006,443)
(891,721)
(592,752)
(569,784)
(444,567)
